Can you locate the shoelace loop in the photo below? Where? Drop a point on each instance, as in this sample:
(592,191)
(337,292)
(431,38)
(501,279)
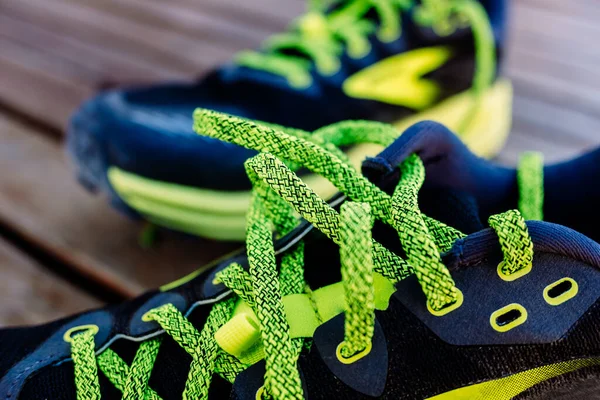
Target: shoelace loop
(321,38)
(278,194)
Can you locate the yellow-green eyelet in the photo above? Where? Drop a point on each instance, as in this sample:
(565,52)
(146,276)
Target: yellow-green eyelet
(443,29)
(449,308)
(329,69)
(146,317)
(388,36)
(355,357)
(300,81)
(564,295)
(259,393)
(68,336)
(360,53)
(515,275)
(520,316)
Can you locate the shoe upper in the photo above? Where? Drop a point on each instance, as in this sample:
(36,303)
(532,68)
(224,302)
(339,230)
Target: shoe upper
(504,335)
(148,130)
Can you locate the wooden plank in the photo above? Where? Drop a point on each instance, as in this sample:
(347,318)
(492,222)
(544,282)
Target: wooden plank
(33,295)
(158,47)
(556,107)
(544,46)
(552,67)
(102,63)
(41,86)
(56,54)
(185,20)
(564,127)
(554,91)
(41,202)
(275,14)
(552,64)
(587,11)
(561,27)
(530,136)
(59,50)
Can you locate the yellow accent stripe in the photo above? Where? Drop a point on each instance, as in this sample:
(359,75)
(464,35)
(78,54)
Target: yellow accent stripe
(399,79)
(221,215)
(510,386)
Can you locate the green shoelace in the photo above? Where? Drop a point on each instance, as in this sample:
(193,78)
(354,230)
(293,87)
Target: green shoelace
(277,198)
(322,38)
(530,180)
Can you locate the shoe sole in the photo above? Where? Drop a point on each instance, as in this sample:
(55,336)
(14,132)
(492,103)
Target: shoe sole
(221,215)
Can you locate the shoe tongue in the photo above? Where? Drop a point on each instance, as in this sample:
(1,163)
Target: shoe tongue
(440,196)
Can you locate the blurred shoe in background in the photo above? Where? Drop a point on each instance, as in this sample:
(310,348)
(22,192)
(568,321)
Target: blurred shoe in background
(411,296)
(395,61)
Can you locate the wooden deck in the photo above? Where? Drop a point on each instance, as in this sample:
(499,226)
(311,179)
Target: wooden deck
(63,250)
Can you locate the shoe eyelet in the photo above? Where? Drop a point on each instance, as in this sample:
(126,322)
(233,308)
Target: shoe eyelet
(387,36)
(300,81)
(359,54)
(329,69)
(515,275)
(146,316)
(260,392)
(449,308)
(355,357)
(560,291)
(508,317)
(68,335)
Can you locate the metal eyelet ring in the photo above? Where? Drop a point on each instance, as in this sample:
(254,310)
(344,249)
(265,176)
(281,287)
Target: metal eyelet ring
(515,275)
(449,308)
(68,336)
(355,357)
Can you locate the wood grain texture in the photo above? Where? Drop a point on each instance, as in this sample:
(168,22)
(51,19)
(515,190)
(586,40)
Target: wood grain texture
(56,53)
(32,295)
(49,47)
(551,58)
(41,202)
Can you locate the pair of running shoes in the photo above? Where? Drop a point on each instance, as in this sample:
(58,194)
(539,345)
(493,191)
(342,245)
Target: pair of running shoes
(377,264)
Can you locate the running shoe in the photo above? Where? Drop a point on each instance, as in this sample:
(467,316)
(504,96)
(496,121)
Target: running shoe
(372,296)
(388,60)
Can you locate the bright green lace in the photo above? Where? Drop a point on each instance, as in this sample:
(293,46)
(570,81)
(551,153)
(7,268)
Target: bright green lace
(278,196)
(530,179)
(322,38)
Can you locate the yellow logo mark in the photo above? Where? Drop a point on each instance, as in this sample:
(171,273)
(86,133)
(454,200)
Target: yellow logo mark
(399,79)
(510,386)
